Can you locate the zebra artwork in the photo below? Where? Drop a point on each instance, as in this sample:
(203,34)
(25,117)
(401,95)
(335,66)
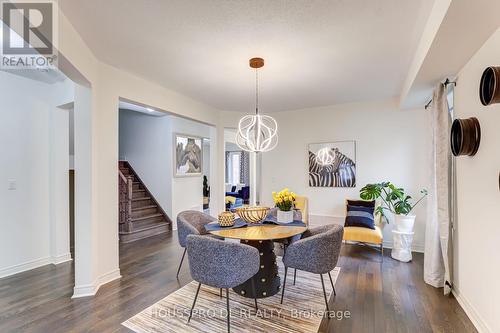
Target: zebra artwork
(334,170)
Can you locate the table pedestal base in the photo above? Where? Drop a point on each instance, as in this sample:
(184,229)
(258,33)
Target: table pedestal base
(267,281)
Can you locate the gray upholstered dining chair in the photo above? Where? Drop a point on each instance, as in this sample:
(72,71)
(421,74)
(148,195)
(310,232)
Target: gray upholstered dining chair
(281,244)
(221,264)
(317,252)
(191,222)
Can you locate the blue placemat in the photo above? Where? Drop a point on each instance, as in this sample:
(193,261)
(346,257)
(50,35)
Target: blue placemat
(214,226)
(272,220)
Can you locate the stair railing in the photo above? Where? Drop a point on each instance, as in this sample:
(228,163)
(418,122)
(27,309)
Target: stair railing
(125,204)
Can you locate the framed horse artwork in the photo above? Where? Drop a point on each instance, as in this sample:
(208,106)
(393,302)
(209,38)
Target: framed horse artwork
(188,155)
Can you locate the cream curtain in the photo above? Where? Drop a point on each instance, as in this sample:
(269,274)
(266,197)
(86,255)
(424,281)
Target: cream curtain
(438,254)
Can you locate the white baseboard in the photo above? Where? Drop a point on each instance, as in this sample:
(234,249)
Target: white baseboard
(84,290)
(56,260)
(108,277)
(87,290)
(318,220)
(32,264)
(473,315)
(26,266)
(419,248)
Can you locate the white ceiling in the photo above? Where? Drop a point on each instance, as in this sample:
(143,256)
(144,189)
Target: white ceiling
(316,52)
(462,31)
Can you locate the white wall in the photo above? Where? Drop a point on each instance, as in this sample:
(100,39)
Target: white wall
(147,143)
(59,184)
(34,146)
(206,160)
(187,192)
(390,146)
(477,231)
(99,87)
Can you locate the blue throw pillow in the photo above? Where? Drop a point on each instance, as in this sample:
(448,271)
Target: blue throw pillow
(358,216)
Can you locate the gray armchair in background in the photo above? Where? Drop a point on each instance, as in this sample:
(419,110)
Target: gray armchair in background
(317,252)
(191,222)
(221,265)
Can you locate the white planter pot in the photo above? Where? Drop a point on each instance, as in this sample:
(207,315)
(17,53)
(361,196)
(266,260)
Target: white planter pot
(285,217)
(404,223)
(401,248)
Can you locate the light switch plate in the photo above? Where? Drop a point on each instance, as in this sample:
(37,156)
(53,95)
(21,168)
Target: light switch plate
(12,184)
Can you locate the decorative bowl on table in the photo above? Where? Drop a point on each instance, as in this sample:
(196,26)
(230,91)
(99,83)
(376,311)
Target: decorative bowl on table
(226,219)
(252,214)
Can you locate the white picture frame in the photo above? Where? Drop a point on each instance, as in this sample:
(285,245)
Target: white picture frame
(187,155)
(332,164)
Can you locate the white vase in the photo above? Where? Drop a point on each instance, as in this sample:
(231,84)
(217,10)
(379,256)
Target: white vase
(404,223)
(285,217)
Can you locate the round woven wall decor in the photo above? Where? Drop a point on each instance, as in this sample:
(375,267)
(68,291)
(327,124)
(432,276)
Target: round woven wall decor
(465,136)
(489,88)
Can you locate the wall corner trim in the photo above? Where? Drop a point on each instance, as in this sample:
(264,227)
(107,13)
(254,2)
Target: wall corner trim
(108,277)
(88,290)
(473,315)
(84,290)
(62,258)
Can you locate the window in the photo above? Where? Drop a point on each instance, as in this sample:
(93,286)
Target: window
(450,97)
(234,168)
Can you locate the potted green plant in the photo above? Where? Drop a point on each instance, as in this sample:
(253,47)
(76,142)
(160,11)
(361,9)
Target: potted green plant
(206,188)
(395,201)
(206,193)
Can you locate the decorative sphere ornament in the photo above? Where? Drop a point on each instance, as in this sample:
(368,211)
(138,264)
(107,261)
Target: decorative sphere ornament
(257,133)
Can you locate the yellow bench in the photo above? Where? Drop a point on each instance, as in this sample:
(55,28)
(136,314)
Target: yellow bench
(366,235)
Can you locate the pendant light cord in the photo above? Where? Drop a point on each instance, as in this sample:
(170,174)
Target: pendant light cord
(256,91)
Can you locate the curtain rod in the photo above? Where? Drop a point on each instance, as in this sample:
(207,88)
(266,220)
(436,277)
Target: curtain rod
(446,83)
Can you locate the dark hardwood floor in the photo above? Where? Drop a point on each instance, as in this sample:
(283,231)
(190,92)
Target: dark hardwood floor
(388,297)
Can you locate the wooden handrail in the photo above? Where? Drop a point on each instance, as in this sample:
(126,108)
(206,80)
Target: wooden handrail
(125,202)
(122,176)
(125,199)
(167,218)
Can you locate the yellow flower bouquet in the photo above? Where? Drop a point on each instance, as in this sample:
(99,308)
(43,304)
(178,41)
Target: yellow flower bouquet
(285,202)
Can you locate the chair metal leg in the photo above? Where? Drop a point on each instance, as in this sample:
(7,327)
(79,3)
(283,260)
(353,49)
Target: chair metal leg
(324,294)
(180,265)
(331,281)
(284,283)
(228,312)
(254,293)
(221,293)
(294,276)
(382,251)
(194,302)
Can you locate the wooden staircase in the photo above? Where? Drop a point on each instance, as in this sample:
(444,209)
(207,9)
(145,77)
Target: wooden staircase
(140,215)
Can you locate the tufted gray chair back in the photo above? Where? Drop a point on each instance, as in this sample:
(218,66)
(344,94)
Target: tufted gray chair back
(221,264)
(318,251)
(192,222)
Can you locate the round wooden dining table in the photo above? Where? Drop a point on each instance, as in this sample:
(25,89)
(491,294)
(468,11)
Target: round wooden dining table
(262,236)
